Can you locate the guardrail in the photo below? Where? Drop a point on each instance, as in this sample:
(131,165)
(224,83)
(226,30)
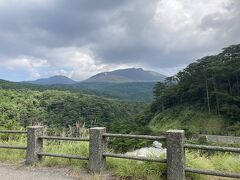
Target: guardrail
(98,152)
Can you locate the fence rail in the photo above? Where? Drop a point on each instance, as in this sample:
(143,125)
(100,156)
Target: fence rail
(134,158)
(63,138)
(134,136)
(12,147)
(13,131)
(97,150)
(213,173)
(64,156)
(212,148)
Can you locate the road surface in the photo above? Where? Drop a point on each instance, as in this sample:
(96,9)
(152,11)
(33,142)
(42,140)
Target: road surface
(21,172)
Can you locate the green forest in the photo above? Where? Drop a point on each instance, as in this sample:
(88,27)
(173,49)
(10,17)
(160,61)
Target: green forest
(203,98)
(63,109)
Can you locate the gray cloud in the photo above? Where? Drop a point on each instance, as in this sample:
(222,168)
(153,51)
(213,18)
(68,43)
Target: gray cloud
(154,34)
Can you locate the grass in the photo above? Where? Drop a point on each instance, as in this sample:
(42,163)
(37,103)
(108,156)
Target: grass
(122,168)
(65,147)
(127,169)
(12,155)
(225,162)
(191,119)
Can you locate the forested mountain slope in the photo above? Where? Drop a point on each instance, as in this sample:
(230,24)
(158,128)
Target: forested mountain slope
(63,109)
(132,84)
(134,91)
(205,96)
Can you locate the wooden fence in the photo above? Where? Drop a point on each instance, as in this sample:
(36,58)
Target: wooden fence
(98,152)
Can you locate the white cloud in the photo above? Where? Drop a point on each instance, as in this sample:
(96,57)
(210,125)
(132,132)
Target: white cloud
(29,64)
(179,23)
(77,63)
(24,63)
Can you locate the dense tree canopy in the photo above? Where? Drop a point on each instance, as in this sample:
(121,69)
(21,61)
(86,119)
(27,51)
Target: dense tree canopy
(63,109)
(212,82)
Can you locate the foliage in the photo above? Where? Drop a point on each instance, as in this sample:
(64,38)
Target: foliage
(63,109)
(208,88)
(132,91)
(191,119)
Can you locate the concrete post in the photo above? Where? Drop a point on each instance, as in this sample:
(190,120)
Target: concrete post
(175,155)
(97,145)
(34,144)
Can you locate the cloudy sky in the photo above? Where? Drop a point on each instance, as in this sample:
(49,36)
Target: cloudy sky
(78,38)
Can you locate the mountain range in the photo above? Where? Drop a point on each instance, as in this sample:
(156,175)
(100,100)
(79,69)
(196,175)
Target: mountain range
(132,84)
(117,76)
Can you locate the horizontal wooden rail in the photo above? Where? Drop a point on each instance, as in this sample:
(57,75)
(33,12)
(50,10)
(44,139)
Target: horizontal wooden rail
(12,147)
(13,131)
(212,148)
(63,138)
(135,136)
(213,173)
(63,156)
(134,158)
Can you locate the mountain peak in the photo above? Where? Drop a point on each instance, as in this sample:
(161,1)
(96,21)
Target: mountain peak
(127,75)
(57,79)
(59,76)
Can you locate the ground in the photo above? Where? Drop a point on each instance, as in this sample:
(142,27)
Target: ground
(21,172)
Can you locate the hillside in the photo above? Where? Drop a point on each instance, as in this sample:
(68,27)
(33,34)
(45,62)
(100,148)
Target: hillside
(132,91)
(205,97)
(135,91)
(127,75)
(191,119)
(64,109)
(53,80)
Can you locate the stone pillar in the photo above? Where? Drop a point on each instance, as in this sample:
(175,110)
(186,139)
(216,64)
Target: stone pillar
(97,145)
(175,155)
(34,144)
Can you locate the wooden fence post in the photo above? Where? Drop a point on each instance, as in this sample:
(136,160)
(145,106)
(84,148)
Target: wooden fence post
(34,144)
(175,155)
(97,145)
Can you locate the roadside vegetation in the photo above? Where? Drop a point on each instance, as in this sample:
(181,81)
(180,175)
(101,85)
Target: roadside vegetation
(64,111)
(121,168)
(202,98)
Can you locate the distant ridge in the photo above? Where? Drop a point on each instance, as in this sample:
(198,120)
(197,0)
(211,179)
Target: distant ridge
(133,84)
(127,75)
(59,79)
(117,76)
